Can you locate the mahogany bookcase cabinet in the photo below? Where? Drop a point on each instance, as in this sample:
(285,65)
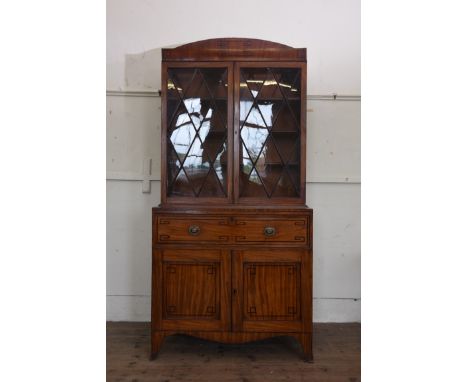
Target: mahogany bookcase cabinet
(232,238)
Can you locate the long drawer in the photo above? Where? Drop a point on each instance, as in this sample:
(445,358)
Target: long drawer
(239,229)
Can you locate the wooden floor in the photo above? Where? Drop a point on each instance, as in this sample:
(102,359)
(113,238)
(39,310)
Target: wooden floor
(337,357)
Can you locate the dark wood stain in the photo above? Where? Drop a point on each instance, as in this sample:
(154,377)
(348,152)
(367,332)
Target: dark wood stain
(234,49)
(235,267)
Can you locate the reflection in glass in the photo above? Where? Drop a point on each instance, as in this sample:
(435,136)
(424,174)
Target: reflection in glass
(197,107)
(269,112)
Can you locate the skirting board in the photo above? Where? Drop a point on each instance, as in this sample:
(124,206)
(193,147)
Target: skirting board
(138,308)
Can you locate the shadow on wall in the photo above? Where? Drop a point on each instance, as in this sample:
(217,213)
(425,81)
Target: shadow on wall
(142,73)
(143,70)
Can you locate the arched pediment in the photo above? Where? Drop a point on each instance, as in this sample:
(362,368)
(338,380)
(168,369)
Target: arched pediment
(232,49)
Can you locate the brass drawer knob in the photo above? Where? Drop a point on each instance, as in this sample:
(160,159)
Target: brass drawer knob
(269,231)
(194,230)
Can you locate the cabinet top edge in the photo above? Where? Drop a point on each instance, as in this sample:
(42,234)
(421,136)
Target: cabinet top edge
(234,49)
(187,209)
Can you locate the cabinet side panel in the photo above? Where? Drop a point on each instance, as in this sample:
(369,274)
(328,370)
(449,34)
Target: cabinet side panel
(303,129)
(306,290)
(156,292)
(163,132)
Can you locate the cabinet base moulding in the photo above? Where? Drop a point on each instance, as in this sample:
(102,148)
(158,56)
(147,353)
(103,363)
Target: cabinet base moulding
(304,339)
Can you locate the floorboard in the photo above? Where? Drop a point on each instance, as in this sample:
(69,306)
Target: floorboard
(337,357)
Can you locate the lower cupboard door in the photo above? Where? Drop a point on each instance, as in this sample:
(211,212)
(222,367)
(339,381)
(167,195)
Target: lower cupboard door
(271,290)
(192,290)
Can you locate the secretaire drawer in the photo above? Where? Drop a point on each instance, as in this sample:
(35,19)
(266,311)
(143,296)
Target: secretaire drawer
(272,229)
(192,229)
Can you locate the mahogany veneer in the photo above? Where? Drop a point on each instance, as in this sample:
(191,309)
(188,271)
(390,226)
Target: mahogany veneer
(232,239)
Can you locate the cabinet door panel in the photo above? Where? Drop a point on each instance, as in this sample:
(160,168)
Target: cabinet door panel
(195,289)
(191,290)
(268,290)
(271,291)
(269,132)
(197,116)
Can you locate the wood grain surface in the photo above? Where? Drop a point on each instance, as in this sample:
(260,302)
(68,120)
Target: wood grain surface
(232,259)
(230,49)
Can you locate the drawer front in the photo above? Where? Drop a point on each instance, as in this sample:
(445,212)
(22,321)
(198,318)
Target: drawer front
(272,230)
(192,229)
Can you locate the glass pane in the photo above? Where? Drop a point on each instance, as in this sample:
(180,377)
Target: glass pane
(286,184)
(269,114)
(197,132)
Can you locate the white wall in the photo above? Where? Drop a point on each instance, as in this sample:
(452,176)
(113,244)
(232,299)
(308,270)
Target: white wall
(330,30)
